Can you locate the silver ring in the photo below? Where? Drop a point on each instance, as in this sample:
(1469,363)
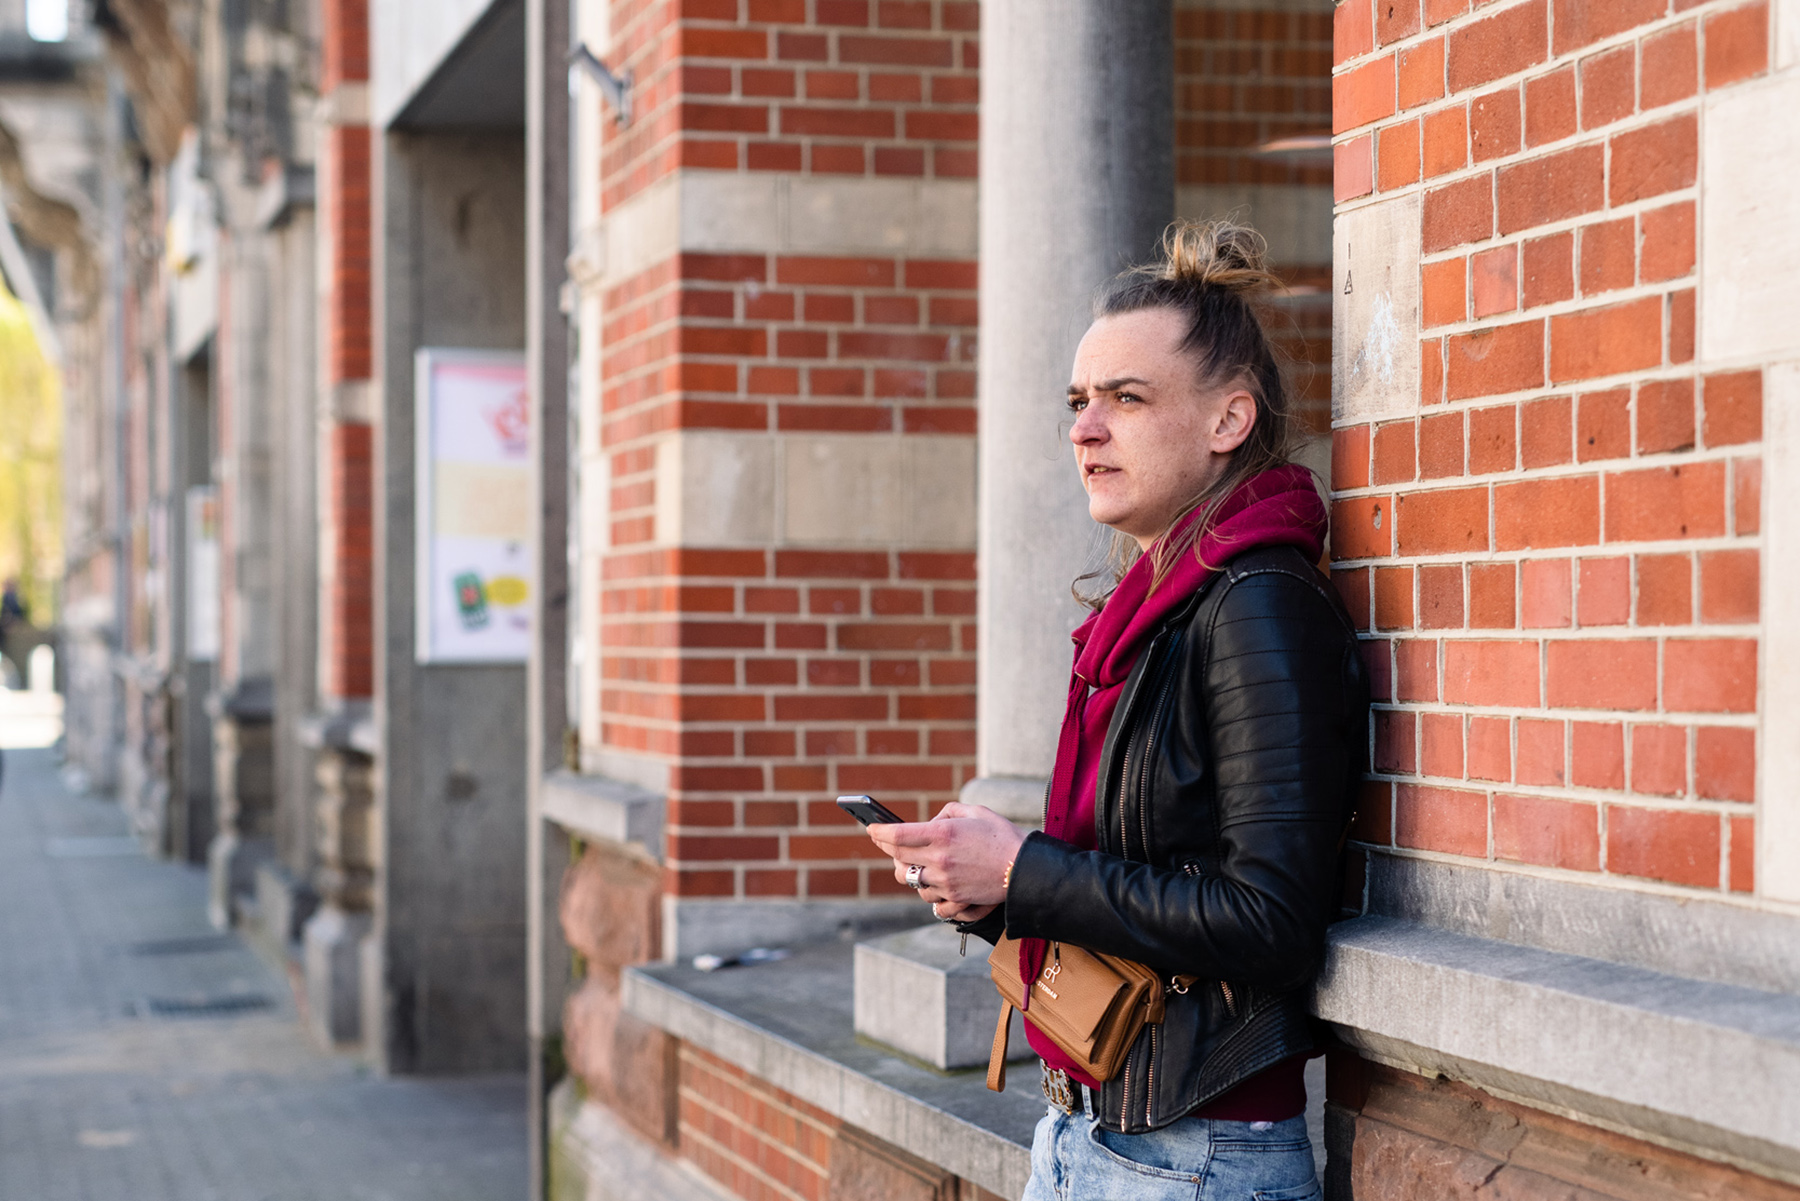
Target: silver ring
(915,876)
(940,917)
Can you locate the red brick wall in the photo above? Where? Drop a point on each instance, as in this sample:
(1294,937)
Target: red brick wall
(843,87)
(1557,562)
(345,197)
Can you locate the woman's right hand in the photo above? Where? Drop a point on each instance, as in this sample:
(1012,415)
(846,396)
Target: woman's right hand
(950,911)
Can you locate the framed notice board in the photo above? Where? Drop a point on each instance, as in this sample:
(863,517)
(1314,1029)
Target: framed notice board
(472,507)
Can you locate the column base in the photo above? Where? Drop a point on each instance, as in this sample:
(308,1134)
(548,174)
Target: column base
(231,863)
(332,957)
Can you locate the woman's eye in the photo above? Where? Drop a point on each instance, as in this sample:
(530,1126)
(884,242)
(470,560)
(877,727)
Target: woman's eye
(1077,403)
(1130,398)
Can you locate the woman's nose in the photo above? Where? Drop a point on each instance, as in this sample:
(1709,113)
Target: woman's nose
(1087,428)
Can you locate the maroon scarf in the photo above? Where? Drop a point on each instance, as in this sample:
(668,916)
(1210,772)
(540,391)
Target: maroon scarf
(1279,507)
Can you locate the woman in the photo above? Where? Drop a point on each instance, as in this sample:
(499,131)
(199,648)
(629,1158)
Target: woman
(1215,732)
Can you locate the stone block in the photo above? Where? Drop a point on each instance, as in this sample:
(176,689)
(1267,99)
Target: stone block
(331,957)
(611,909)
(283,905)
(625,1063)
(863,1168)
(917,994)
(595,1156)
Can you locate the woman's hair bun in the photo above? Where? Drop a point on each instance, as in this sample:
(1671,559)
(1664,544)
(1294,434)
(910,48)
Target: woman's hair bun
(1219,254)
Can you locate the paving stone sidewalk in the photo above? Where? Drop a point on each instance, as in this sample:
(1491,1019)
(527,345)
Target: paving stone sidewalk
(146,1057)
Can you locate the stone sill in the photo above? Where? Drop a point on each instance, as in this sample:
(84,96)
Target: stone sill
(597,807)
(1704,1066)
(790,1023)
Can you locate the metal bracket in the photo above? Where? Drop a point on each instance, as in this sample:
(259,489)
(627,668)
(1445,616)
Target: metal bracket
(617,90)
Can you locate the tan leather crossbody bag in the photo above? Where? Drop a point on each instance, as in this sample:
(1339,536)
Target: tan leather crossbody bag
(1091,1005)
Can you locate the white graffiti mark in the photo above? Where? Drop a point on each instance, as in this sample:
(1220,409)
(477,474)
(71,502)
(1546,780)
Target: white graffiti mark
(1376,355)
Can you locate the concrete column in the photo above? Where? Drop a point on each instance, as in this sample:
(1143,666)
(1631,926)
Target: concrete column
(547,39)
(1077,181)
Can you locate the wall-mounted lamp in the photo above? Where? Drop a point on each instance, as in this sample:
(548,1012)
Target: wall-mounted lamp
(616,89)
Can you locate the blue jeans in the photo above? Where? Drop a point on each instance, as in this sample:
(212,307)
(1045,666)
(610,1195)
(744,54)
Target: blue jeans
(1196,1159)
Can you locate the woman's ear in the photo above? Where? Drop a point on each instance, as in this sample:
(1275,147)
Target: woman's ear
(1237,417)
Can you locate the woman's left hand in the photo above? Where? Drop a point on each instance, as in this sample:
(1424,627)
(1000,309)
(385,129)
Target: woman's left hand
(964,852)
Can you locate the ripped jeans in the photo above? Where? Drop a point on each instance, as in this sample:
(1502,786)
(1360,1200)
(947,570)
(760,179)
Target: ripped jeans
(1196,1159)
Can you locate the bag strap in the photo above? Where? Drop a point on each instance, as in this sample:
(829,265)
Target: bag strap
(996,1077)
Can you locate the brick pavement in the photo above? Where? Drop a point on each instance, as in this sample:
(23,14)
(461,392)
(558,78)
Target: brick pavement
(110,1092)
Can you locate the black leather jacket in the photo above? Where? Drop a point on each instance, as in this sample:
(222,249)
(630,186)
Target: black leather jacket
(1226,782)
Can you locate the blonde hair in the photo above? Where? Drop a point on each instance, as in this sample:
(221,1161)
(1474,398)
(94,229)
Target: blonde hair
(1215,275)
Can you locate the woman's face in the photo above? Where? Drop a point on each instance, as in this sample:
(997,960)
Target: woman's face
(1148,438)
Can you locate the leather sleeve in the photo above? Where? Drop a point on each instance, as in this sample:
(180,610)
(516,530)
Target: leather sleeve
(1283,710)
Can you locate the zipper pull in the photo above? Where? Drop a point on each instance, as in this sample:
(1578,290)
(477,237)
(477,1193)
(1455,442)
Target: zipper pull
(963,950)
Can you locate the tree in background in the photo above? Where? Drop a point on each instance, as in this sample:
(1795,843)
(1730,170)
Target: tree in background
(30,463)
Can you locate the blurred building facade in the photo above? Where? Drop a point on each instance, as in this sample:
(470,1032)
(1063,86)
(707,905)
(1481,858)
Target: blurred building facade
(789,288)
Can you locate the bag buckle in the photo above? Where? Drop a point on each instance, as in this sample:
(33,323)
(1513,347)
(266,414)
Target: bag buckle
(1059,1090)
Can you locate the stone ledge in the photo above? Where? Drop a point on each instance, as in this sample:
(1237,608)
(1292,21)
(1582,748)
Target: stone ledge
(607,809)
(587,1137)
(790,1023)
(1702,1066)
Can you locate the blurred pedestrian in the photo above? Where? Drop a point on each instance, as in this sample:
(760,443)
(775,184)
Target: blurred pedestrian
(13,614)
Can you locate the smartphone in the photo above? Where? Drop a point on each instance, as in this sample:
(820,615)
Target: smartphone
(868,810)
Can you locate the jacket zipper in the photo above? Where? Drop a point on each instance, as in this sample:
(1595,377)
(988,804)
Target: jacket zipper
(1230,999)
(1144,773)
(1150,1079)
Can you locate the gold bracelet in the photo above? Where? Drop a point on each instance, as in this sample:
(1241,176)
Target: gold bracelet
(1006,880)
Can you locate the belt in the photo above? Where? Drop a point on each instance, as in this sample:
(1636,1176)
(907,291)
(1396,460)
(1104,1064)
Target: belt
(1066,1093)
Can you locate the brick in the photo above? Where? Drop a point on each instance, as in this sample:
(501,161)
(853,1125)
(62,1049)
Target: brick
(1420,70)
(1608,256)
(1665,589)
(1495,281)
(1659,760)
(1441,745)
(1671,66)
(1440,596)
(1681,848)
(711,42)
(1493,603)
(1746,495)
(1597,755)
(1608,86)
(1441,819)
(1507,42)
(1737,44)
(1393,598)
(1445,291)
(1445,136)
(1378,662)
(1556,187)
(1494,124)
(1396,20)
(1655,159)
(1350,457)
(1373,820)
(1666,241)
(1546,595)
(1399,157)
(904,14)
(1489,749)
(1742,866)
(1362,528)
(1540,752)
(835,272)
(1603,425)
(1603,591)
(1431,371)
(1363,94)
(896,51)
(1550,113)
(1493,443)
(1666,503)
(1725,763)
(1547,831)
(1394,458)
(1602,674)
(1681,326)
(1547,268)
(818,121)
(1583,22)
(1396,742)
(1491,673)
(1546,432)
(1730,586)
(1446,521)
(1439,11)
(1733,403)
(1352,30)
(1606,341)
(1415,669)
(1665,415)
(1353,586)
(1490,362)
(1710,675)
(1352,171)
